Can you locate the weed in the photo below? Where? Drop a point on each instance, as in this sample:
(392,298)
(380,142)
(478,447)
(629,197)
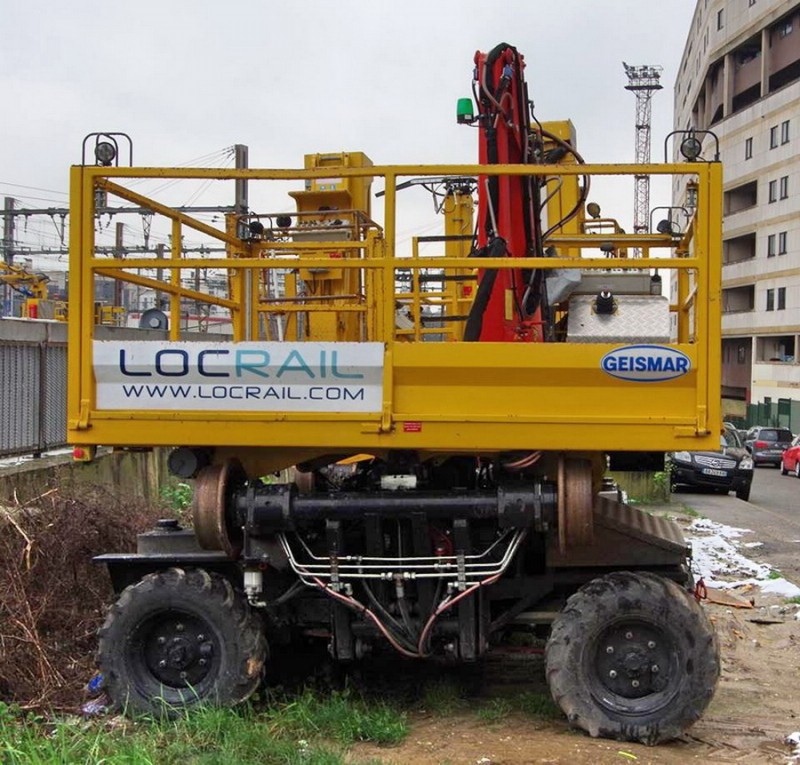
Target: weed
(53,596)
(536,704)
(645,487)
(205,737)
(441,697)
(775,574)
(340,716)
(661,483)
(794,599)
(177,496)
(495,711)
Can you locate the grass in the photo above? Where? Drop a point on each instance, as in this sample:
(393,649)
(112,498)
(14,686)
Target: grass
(310,729)
(531,704)
(340,716)
(442,697)
(495,711)
(794,599)
(691,512)
(537,704)
(775,574)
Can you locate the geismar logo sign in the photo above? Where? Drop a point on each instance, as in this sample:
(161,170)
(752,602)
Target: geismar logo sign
(646,363)
(247,376)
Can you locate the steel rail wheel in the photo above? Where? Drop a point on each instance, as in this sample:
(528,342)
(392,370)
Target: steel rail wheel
(575,503)
(211,527)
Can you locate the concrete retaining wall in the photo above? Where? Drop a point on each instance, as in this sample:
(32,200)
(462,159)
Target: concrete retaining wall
(135,474)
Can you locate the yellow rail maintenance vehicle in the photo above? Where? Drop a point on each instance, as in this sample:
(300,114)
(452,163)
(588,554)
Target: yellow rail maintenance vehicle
(33,286)
(443,408)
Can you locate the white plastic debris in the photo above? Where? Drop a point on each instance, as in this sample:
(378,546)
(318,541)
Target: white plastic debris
(793,739)
(716,558)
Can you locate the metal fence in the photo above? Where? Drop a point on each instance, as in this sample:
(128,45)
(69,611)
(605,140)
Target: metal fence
(33,386)
(33,380)
(783,413)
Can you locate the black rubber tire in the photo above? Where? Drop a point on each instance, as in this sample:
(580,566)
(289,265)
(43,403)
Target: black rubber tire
(649,619)
(743,494)
(178,638)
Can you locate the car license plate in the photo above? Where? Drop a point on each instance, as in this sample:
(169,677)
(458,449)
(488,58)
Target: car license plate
(711,471)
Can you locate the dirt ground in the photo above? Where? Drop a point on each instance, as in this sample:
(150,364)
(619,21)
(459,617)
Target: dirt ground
(755,708)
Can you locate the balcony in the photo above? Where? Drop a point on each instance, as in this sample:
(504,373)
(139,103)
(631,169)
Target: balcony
(740,198)
(738,249)
(738,299)
(776,349)
(746,269)
(777,372)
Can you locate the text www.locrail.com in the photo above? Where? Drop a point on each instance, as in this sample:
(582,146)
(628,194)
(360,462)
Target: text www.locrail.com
(245,392)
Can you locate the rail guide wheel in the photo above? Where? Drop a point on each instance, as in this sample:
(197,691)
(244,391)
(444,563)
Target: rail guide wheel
(575,503)
(213,488)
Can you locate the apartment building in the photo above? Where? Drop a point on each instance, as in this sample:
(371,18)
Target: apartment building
(740,78)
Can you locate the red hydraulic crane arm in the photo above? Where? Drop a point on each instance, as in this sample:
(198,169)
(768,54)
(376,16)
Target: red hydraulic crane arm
(509,302)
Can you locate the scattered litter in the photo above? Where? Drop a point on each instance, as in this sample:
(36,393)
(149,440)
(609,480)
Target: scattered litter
(716,558)
(98,706)
(793,739)
(629,755)
(723,598)
(765,620)
(780,587)
(95,686)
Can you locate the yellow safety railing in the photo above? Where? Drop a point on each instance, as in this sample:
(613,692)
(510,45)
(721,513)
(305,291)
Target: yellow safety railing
(418,384)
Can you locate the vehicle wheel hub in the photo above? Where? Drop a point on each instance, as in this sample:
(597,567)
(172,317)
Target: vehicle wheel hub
(179,652)
(634,660)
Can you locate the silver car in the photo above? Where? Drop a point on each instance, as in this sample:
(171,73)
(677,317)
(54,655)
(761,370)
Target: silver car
(766,445)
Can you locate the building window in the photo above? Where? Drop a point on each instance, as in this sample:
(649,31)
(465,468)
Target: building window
(785,131)
(782,243)
(784,28)
(784,186)
(748,148)
(770,300)
(721,19)
(773,191)
(781,298)
(771,246)
(773,137)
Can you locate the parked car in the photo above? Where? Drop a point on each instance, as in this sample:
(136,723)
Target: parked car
(766,445)
(730,469)
(790,460)
(741,431)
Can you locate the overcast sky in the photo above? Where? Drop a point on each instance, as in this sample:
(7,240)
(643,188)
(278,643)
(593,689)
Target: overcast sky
(186,79)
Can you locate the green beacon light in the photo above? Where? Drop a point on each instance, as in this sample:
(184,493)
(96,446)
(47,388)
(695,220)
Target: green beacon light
(464,113)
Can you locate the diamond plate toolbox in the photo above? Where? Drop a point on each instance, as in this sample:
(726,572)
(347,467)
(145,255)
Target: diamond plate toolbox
(636,318)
